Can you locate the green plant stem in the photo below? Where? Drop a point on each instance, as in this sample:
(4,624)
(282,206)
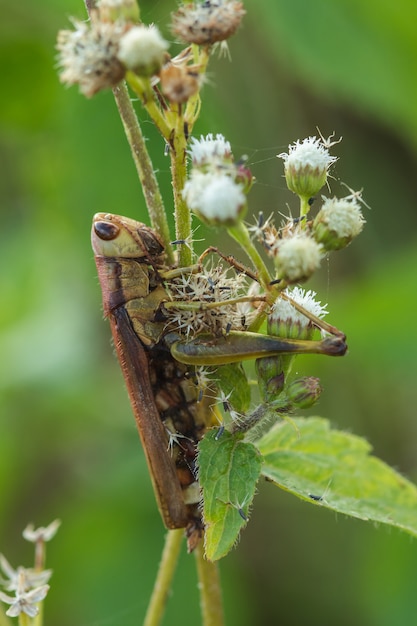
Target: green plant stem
(169,560)
(24,619)
(4,620)
(144,167)
(210,590)
(179,176)
(304,209)
(241,235)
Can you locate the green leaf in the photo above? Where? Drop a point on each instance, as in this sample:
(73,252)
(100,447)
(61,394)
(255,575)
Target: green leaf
(335,469)
(232,380)
(229,469)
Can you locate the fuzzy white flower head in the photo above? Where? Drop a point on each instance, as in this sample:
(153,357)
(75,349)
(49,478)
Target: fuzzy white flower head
(142,50)
(338,222)
(306,165)
(209,150)
(284,310)
(42,533)
(286,321)
(297,258)
(215,197)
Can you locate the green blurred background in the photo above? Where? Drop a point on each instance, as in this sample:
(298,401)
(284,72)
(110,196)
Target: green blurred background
(68,446)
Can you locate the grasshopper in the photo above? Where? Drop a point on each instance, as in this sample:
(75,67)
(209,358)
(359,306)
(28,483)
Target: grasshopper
(158,365)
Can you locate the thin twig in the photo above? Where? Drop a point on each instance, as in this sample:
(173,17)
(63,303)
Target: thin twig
(164,577)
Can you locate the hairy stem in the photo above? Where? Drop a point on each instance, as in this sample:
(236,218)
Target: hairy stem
(144,167)
(210,590)
(164,577)
(179,176)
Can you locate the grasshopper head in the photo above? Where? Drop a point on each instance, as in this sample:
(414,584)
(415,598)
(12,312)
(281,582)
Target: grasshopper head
(117,236)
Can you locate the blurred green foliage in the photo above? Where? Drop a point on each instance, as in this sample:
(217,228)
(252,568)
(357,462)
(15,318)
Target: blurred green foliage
(68,446)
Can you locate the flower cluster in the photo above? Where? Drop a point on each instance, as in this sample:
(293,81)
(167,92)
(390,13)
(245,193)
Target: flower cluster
(28,584)
(216,190)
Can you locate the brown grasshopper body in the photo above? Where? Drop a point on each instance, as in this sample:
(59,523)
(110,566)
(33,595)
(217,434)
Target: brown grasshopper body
(128,256)
(158,366)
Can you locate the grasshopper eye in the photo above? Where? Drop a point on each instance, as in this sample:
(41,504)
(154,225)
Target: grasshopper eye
(106,230)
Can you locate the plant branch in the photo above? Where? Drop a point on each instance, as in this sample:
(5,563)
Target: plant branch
(144,167)
(210,590)
(162,587)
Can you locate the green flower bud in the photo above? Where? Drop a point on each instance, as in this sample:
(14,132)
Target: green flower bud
(304,392)
(215,198)
(142,50)
(297,258)
(271,378)
(306,166)
(338,222)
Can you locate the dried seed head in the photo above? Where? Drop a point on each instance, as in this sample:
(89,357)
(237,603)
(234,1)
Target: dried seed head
(142,50)
(213,285)
(180,82)
(338,222)
(88,55)
(208,22)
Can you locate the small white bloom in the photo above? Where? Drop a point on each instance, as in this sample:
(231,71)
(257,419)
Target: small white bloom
(26,578)
(41,534)
(24,601)
(209,149)
(215,197)
(284,311)
(297,258)
(142,49)
(306,166)
(342,216)
(310,152)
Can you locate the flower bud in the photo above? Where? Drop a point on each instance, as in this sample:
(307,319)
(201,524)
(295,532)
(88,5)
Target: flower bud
(338,222)
(297,258)
(270,377)
(306,166)
(210,151)
(304,392)
(142,50)
(215,198)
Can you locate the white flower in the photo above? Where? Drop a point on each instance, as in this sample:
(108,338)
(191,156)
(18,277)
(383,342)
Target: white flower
(209,149)
(306,165)
(285,311)
(287,321)
(297,258)
(311,152)
(342,218)
(215,197)
(26,578)
(24,601)
(142,49)
(41,534)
